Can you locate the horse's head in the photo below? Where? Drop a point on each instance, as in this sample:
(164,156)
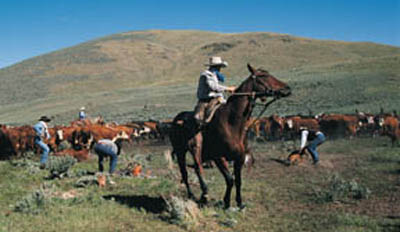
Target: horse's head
(266,85)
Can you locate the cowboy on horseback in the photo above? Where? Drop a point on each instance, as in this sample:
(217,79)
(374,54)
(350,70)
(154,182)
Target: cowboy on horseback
(224,139)
(210,91)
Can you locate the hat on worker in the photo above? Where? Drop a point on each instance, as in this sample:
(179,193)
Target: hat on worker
(216,61)
(44,119)
(82,108)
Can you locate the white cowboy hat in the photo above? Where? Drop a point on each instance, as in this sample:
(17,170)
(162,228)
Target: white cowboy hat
(217,61)
(82,108)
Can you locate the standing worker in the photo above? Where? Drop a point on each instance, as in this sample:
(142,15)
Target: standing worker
(42,132)
(82,113)
(315,139)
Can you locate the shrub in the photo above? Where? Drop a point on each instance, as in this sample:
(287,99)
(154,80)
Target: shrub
(176,209)
(27,164)
(182,212)
(86,181)
(32,203)
(341,190)
(59,166)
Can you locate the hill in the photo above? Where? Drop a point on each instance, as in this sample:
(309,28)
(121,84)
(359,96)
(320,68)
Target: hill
(144,74)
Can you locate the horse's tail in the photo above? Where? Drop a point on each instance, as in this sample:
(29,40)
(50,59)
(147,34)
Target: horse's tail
(177,137)
(173,155)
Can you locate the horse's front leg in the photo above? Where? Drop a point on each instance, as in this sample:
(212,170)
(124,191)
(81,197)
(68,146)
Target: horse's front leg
(238,181)
(221,164)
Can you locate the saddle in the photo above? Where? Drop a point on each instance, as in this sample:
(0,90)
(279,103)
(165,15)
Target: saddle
(210,113)
(192,124)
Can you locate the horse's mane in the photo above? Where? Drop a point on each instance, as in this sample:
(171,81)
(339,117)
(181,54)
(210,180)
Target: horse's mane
(261,70)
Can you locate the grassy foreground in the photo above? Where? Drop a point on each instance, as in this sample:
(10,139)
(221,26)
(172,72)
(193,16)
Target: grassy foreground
(278,197)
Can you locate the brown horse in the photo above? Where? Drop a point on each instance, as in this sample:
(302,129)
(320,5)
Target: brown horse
(224,138)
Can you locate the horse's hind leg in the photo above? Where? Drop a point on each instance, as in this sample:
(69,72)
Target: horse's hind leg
(196,149)
(228,179)
(203,186)
(182,166)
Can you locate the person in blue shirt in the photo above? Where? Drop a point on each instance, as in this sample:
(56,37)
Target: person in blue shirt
(82,113)
(42,132)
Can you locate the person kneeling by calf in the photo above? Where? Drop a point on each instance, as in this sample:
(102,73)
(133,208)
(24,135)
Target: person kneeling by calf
(314,138)
(108,148)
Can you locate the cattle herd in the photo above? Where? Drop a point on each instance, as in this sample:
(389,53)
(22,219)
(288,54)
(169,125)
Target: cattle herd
(82,134)
(275,127)
(78,137)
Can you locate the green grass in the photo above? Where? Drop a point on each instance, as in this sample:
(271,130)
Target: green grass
(278,197)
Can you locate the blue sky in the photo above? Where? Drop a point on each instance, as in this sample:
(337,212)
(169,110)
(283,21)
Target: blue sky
(33,27)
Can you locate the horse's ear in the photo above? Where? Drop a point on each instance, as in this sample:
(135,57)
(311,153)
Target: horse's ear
(251,69)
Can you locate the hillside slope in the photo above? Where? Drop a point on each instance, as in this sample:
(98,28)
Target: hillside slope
(154,74)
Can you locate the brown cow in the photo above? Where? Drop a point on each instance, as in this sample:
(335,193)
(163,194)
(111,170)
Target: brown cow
(98,132)
(88,121)
(253,127)
(15,141)
(27,138)
(336,125)
(366,123)
(80,155)
(66,133)
(389,126)
(7,149)
(262,127)
(153,126)
(276,127)
(293,124)
(146,129)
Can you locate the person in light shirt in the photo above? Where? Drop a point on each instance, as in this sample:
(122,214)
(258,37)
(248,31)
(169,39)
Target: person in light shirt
(210,89)
(310,140)
(82,113)
(41,135)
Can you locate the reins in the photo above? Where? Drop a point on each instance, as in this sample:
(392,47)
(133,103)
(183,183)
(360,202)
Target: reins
(245,94)
(262,112)
(253,94)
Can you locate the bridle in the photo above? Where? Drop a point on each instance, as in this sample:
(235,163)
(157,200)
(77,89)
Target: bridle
(254,95)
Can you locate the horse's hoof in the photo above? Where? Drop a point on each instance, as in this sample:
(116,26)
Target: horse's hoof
(204,199)
(219,204)
(227,207)
(242,207)
(191,196)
